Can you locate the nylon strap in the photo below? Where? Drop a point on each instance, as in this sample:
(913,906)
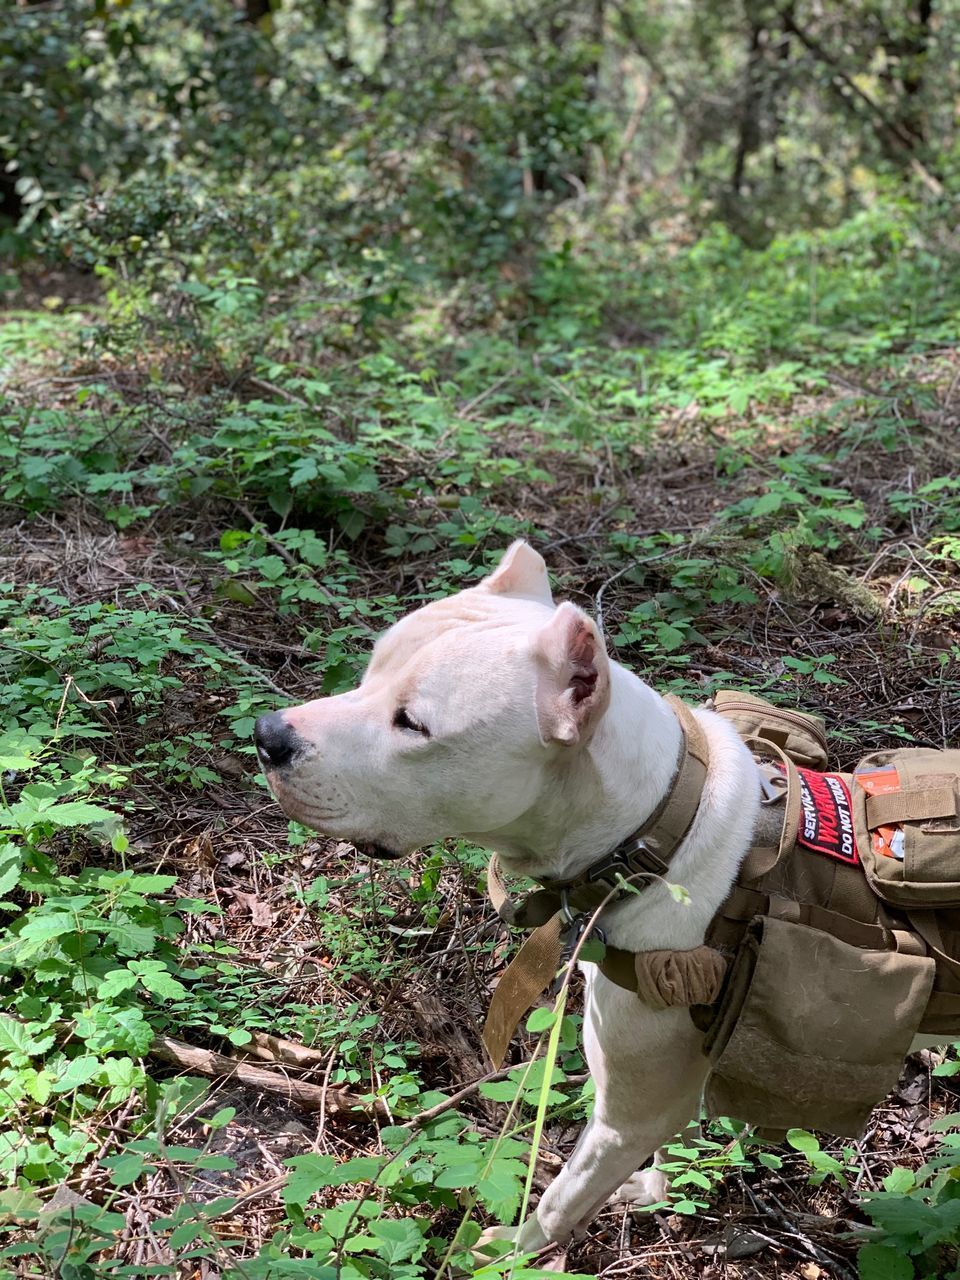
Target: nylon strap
(763,858)
(912,805)
(928,927)
(666,830)
(527,975)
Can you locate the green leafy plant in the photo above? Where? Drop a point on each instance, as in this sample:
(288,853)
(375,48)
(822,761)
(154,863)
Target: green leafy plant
(917,1216)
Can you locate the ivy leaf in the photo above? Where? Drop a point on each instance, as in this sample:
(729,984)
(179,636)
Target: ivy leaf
(117,980)
(500,1189)
(400,1241)
(11,862)
(14,1037)
(221,1118)
(883,1262)
(157,979)
(803,1142)
(76,813)
(499,1090)
(76,1073)
(123,1073)
(43,925)
(216,1162)
(38,1084)
(132,939)
(900,1180)
(669,637)
(541,1020)
(766,504)
(127,1168)
(309,1175)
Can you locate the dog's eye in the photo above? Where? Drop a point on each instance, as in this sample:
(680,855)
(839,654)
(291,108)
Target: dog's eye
(402,719)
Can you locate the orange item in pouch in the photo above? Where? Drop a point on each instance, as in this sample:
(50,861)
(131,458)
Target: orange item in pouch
(879,782)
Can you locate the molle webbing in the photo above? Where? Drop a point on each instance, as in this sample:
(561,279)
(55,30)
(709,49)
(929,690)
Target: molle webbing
(844,901)
(920,804)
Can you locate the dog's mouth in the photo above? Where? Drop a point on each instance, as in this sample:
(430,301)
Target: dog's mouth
(370,849)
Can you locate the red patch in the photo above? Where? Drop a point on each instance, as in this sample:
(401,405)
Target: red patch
(826,819)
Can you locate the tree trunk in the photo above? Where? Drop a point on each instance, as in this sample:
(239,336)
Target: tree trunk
(254,10)
(748,139)
(910,53)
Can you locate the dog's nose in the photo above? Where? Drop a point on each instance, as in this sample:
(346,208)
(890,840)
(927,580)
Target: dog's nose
(276,741)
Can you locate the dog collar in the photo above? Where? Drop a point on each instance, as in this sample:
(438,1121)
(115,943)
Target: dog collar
(558,911)
(643,857)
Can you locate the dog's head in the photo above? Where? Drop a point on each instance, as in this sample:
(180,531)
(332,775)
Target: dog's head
(457,727)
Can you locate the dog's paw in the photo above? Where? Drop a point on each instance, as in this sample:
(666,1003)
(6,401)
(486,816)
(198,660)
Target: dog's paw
(648,1186)
(506,1234)
(512,1235)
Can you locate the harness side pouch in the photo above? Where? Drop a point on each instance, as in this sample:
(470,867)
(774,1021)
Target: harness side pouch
(906,815)
(811,1031)
(799,735)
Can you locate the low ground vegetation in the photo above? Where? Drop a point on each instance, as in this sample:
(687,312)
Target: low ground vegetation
(203,521)
(329,314)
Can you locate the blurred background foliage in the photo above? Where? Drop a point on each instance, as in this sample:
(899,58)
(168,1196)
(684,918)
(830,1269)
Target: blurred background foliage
(306,310)
(435,137)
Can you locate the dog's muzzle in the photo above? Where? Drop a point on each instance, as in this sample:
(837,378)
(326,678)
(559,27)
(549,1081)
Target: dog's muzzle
(276,741)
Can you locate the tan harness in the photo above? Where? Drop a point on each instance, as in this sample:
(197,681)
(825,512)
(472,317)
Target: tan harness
(814,977)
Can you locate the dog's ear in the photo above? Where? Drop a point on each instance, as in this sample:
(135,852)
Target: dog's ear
(574,686)
(521,572)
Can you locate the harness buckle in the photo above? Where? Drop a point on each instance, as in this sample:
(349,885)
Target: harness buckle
(576,927)
(626,860)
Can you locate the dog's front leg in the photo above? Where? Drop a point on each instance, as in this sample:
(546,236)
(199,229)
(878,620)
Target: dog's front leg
(649,1076)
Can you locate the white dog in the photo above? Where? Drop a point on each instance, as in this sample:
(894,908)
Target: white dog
(497,715)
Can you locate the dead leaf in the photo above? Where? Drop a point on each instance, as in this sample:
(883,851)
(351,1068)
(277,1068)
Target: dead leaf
(261,913)
(199,851)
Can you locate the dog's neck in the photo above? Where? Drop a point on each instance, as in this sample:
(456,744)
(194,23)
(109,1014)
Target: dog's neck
(604,793)
(600,794)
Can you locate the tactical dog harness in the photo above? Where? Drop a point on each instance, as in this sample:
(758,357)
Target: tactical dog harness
(838,943)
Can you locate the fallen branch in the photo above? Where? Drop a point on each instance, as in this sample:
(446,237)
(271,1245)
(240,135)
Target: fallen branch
(300,1092)
(275,1049)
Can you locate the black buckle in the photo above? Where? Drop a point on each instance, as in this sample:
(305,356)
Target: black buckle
(576,926)
(626,860)
(574,933)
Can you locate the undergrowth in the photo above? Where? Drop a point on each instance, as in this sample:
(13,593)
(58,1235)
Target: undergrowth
(215,492)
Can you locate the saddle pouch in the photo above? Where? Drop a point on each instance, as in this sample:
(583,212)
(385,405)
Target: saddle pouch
(799,736)
(906,814)
(811,1031)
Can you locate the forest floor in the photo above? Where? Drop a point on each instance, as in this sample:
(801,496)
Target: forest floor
(160,596)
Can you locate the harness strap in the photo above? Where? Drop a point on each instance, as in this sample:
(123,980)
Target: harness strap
(666,829)
(763,858)
(928,927)
(743,905)
(912,805)
(528,974)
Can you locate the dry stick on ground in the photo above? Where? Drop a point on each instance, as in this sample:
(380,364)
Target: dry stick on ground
(275,1049)
(309,1096)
